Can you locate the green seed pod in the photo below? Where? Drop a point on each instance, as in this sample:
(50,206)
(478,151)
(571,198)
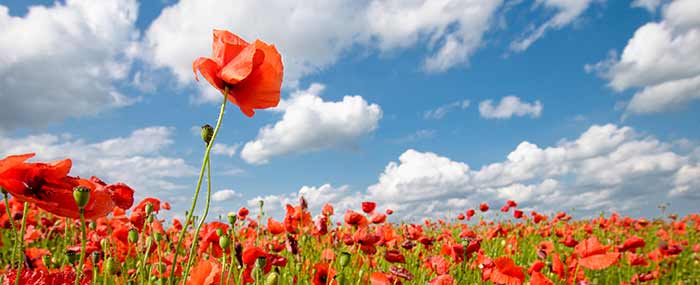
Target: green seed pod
(260,262)
(46,259)
(149,209)
(232,217)
(219,232)
(158,236)
(344,258)
(224,242)
(104,243)
(72,257)
(133,236)
(109,266)
(207,133)
(272,279)
(81,194)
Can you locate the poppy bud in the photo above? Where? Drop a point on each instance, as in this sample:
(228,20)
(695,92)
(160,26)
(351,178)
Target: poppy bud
(261,203)
(224,242)
(158,236)
(302,202)
(133,236)
(231,218)
(72,257)
(260,262)
(207,132)
(149,209)
(344,259)
(104,243)
(273,278)
(81,194)
(109,266)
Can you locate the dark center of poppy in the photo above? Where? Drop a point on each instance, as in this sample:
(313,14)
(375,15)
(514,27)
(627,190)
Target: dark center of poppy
(323,277)
(33,186)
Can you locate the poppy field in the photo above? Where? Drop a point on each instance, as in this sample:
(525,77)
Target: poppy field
(59,228)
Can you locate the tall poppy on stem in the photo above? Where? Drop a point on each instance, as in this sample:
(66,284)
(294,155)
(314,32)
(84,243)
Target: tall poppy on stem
(248,75)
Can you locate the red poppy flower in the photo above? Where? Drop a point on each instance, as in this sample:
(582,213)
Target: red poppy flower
(442,280)
(484,207)
(324,275)
(517,214)
(379,278)
(252,72)
(207,272)
(538,278)
(355,219)
(593,255)
(274,227)
(48,186)
(507,272)
(394,256)
(632,243)
(470,213)
(327,210)
(368,207)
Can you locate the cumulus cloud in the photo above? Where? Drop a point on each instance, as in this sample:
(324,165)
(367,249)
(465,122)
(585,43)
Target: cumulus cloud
(310,41)
(225,195)
(608,167)
(63,60)
(649,5)
(440,112)
(661,59)
(508,107)
(309,124)
(224,149)
(340,197)
(135,159)
(565,13)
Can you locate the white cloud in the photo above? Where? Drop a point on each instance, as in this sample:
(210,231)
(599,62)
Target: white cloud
(135,159)
(649,5)
(566,12)
(607,167)
(310,41)
(309,124)
(225,195)
(224,149)
(440,112)
(662,59)
(340,197)
(417,135)
(455,28)
(508,107)
(62,61)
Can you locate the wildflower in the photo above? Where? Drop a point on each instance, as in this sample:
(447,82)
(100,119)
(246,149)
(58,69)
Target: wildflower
(251,72)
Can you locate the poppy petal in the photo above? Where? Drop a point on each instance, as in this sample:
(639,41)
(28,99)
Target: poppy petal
(226,46)
(599,261)
(209,69)
(242,65)
(261,89)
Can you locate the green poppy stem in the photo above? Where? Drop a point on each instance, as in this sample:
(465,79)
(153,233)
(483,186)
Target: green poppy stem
(83,240)
(201,222)
(12,224)
(196,192)
(19,242)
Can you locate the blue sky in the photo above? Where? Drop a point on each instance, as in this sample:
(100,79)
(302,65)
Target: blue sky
(382,100)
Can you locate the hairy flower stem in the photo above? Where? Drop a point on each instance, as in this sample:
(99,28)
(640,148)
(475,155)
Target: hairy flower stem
(19,242)
(201,222)
(83,240)
(196,192)
(12,224)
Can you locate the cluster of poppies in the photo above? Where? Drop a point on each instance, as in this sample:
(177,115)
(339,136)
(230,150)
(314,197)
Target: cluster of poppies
(128,244)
